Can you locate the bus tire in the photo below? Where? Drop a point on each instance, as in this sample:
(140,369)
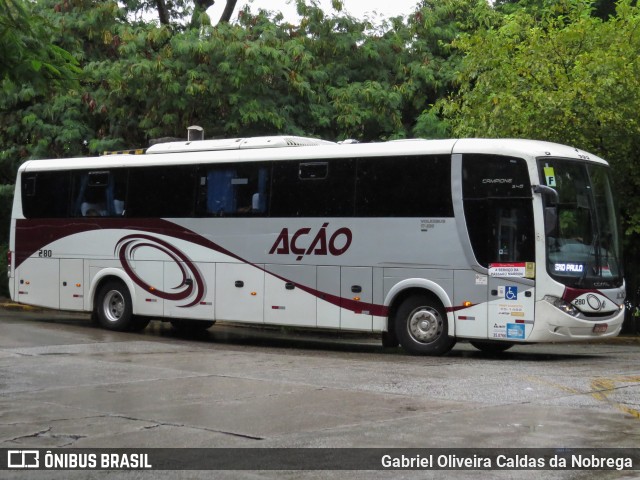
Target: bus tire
(422,327)
(113,307)
(491,347)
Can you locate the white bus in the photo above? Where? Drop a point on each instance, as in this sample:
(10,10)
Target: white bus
(496,242)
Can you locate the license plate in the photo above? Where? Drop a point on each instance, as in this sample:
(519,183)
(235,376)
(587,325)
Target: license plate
(600,328)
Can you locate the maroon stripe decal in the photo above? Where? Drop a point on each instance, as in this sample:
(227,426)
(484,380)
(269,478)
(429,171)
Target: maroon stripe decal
(570,294)
(33,235)
(125,250)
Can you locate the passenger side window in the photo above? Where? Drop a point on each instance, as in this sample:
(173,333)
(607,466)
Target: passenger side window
(411,186)
(99,193)
(45,194)
(233,190)
(161,192)
(323,188)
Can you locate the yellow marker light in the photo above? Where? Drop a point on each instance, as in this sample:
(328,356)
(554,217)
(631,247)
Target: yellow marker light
(357,299)
(253,294)
(467,303)
(78,284)
(28,282)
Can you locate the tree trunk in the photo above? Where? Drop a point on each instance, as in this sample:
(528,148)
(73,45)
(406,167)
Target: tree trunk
(163,12)
(228,11)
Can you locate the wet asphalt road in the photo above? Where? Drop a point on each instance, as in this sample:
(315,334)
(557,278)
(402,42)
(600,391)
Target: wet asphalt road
(66,383)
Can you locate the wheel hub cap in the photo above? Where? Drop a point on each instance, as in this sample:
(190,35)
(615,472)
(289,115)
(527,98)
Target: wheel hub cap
(425,325)
(113,306)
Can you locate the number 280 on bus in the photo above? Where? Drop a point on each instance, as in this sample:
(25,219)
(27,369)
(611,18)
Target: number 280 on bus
(494,242)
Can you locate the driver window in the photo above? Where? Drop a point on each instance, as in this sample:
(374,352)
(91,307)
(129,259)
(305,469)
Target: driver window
(498,209)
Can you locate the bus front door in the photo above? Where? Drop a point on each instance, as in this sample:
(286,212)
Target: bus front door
(510,308)
(511,286)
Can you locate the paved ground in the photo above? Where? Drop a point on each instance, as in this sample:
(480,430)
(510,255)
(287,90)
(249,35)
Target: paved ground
(65,383)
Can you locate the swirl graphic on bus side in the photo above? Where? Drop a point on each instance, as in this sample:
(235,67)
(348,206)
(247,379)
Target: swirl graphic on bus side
(191,284)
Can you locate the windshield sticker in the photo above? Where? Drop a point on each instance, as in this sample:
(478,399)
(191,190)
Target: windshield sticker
(569,268)
(520,269)
(550,176)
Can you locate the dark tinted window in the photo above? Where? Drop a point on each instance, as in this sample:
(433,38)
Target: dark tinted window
(161,192)
(100,193)
(495,176)
(313,189)
(415,186)
(45,194)
(233,190)
(498,209)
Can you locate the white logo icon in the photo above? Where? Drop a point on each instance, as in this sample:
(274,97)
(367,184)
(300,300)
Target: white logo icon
(23,459)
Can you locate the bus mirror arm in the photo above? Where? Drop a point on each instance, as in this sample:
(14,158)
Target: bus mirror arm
(547,191)
(550,212)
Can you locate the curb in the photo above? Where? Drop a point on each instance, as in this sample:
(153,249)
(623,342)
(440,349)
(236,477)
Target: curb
(19,307)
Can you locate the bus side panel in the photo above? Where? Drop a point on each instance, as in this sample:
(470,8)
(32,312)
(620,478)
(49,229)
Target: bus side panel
(240,292)
(285,303)
(356,285)
(328,283)
(379,321)
(470,286)
(37,282)
(173,279)
(152,273)
(71,284)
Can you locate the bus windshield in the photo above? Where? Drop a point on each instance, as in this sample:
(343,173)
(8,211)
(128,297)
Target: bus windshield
(583,241)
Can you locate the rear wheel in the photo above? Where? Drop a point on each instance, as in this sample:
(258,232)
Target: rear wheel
(113,307)
(422,327)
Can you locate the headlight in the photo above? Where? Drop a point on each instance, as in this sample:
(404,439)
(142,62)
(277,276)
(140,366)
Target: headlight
(563,305)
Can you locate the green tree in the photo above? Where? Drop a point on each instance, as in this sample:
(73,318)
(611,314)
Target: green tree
(432,64)
(565,76)
(32,69)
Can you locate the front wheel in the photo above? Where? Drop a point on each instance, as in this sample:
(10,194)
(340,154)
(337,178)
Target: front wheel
(113,307)
(422,327)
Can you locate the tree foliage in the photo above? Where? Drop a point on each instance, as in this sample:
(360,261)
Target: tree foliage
(563,75)
(83,76)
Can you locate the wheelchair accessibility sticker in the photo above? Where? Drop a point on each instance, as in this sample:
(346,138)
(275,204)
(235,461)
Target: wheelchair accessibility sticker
(509,292)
